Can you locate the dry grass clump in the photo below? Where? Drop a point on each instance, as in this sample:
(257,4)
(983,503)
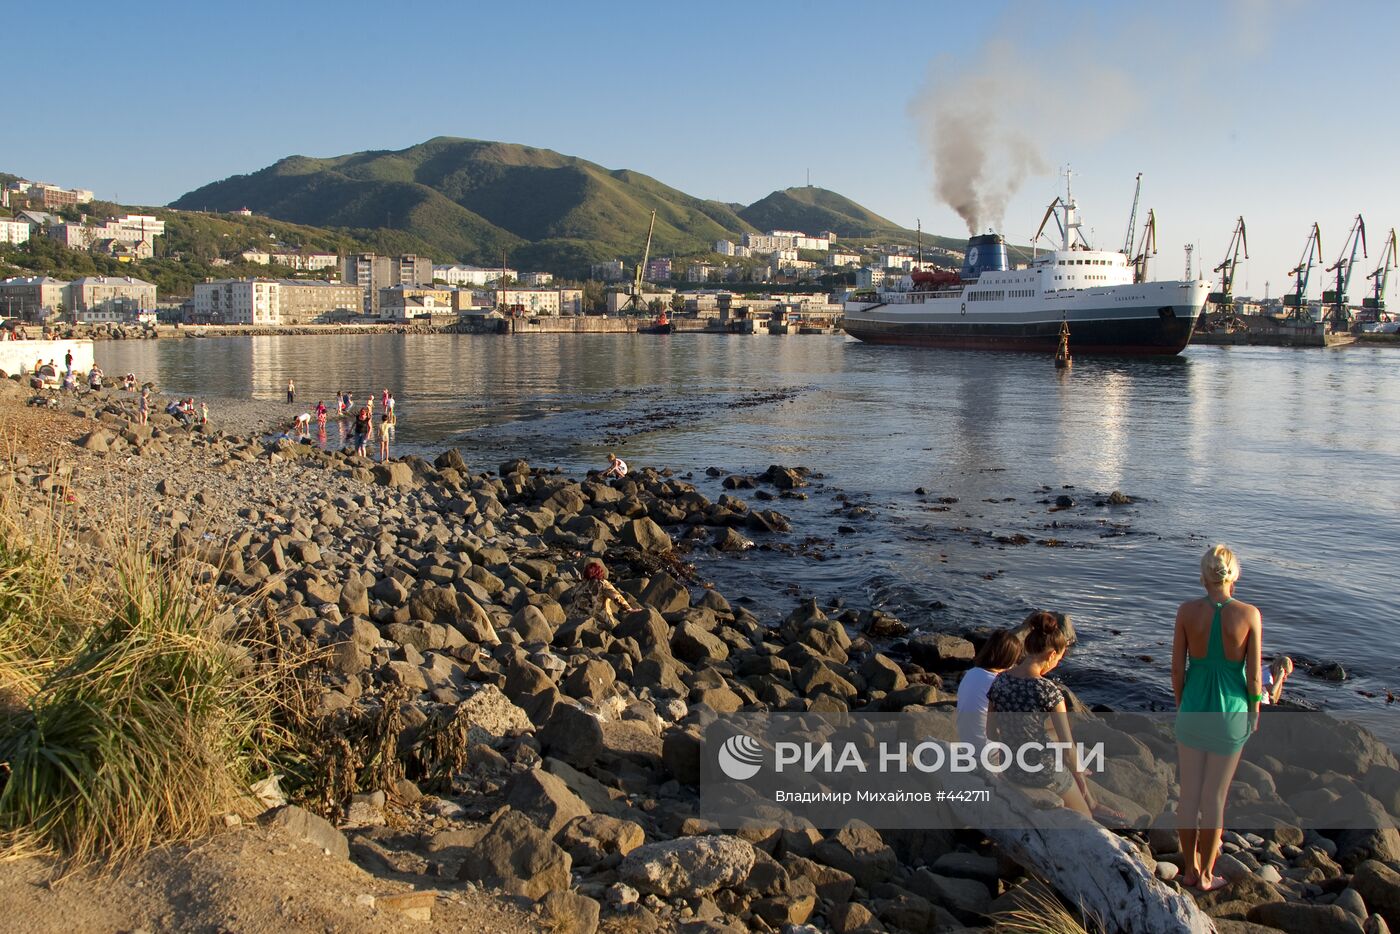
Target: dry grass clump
(1039,911)
(130,721)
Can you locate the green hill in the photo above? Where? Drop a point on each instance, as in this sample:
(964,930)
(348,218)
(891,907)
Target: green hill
(815,209)
(469,199)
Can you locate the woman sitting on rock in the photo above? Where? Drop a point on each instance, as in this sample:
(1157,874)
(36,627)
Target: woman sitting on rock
(1018,703)
(1215,675)
(595,596)
(998,653)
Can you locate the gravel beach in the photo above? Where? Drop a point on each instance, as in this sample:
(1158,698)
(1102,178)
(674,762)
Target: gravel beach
(449,597)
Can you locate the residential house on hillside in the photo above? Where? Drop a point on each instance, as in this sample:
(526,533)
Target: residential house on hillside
(13,230)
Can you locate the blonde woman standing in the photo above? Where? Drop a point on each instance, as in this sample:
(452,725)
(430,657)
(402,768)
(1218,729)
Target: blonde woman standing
(1218,687)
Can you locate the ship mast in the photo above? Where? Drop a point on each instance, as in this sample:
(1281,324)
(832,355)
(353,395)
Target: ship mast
(1071,213)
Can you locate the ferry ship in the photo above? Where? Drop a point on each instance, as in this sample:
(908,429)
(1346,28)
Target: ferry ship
(991,306)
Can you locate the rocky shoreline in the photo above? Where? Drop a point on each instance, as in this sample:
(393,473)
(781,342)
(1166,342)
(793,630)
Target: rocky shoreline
(553,757)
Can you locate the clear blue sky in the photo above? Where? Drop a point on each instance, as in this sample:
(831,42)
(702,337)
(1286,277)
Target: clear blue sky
(1281,111)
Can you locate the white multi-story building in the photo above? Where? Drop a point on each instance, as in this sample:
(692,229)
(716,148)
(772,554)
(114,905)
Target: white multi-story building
(724,247)
(257,257)
(870,277)
(539,302)
(237,301)
(698,272)
(785,240)
(472,275)
(783,255)
(536,279)
(838,258)
(13,231)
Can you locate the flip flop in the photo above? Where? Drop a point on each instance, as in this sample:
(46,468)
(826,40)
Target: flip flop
(1216,883)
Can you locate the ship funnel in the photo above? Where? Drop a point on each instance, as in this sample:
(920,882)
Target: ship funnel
(985,253)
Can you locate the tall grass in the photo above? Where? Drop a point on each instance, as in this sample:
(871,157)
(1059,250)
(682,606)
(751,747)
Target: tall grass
(129,721)
(1039,911)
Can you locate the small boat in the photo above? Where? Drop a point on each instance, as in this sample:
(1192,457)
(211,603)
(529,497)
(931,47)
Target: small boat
(662,325)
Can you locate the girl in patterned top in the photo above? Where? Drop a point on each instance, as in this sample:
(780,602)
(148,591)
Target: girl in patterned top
(1027,697)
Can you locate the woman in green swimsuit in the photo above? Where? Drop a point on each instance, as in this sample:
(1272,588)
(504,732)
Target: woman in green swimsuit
(1216,678)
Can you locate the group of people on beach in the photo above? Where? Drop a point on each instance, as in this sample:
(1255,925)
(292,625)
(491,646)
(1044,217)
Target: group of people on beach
(1217,678)
(363,428)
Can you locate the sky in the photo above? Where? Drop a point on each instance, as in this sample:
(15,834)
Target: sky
(1277,110)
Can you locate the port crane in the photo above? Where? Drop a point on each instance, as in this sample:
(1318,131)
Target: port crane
(634,298)
(1346,262)
(1312,255)
(1381,277)
(1224,300)
(1148,248)
(1132,218)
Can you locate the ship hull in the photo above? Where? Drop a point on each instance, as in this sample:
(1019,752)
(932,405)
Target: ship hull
(1139,319)
(1164,335)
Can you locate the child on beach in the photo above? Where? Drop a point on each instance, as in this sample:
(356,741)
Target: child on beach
(291,391)
(321,414)
(341,403)
(384,429)
(389,412)
(145,412)
(204,413)
(617,467)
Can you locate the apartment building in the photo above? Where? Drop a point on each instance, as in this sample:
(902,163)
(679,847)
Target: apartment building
(373,273)
(311,301)
(13,231)
(461,275)
(611,271)
(659,269)
(94,299)
(32,298)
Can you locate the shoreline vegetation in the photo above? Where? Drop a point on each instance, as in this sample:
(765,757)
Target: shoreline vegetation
(213,644)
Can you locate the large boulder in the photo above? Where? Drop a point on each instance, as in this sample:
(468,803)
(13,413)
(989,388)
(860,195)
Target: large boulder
(1379,886)
(573,735)
(1299,918)
(858,849)
(570,913)
(545,798)
(492,716)
(941,650)
(688,867)
(646,536)
(394,474)
(516,856)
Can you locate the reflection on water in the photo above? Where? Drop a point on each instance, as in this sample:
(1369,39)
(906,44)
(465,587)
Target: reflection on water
(1291,456)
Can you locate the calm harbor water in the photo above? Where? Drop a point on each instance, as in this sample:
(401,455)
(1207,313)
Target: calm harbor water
(1293,457)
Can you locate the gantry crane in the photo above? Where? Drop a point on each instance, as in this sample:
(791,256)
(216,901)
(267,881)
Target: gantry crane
(1381,277)
(1336,297)
(1223,301)
(1148,248)
(1312,255)
(634,300)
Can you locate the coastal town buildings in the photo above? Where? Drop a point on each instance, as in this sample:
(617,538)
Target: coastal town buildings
(136,232)
(32,298)
(44,195)
(611,271)
(274,302)
(788,240)
(724,247)
(839,258)
(405,302)
(462,275)
(372,273)
(99,299)
(310,301)
(659,269)
(13,231)
(535,279)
